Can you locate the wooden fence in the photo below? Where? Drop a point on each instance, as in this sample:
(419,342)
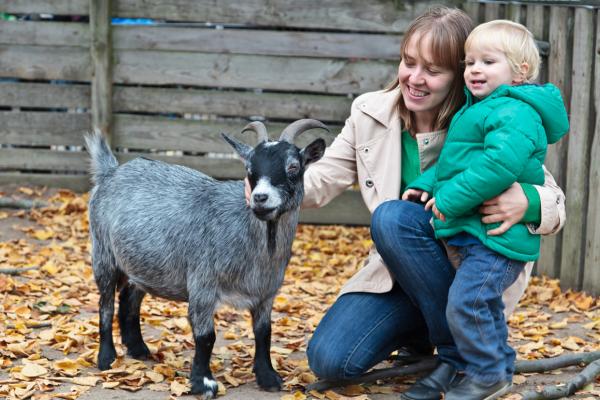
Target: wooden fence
(573,64)
(198,69)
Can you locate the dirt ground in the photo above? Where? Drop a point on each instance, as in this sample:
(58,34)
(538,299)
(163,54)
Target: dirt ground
(547,322)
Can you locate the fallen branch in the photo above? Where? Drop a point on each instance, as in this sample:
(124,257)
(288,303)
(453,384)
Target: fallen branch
(16,271)
(22,203)
(589,374)
(550,364)
(427,363)
(32,325)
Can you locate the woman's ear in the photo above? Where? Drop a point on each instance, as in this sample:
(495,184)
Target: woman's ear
(522,75)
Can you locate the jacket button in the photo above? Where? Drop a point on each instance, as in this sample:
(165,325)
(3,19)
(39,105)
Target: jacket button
(426,141)
(369,183)
(366,150)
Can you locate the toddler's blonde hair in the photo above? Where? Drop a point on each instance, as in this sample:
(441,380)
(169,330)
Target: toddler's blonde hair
(511,38)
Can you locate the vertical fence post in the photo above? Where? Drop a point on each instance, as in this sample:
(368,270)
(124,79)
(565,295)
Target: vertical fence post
(559,67)
(573,244)
(101,55)
(591,273)
(536,23)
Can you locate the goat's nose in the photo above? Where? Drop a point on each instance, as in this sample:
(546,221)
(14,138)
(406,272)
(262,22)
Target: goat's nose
(260,197)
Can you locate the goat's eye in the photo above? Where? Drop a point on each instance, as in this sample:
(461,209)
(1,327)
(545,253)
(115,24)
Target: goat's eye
(293,168)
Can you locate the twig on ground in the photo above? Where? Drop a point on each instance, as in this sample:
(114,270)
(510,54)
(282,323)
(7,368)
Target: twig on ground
(22,203)
(16,271)
(589,374)
(427,363)
(32,324)
(549,364)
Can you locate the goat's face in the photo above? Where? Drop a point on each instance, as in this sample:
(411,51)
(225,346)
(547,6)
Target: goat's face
(275,170)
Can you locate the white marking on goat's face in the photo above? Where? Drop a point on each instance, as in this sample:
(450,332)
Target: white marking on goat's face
(265,199)
(270,143)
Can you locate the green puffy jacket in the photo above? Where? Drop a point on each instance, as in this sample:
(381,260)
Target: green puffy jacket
(491,144)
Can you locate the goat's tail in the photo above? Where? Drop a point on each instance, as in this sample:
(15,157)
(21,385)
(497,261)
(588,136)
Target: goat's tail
(103,161)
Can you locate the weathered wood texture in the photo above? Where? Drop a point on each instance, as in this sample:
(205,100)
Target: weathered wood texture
(591,273)
(572,33)
(101,52)
(375,15)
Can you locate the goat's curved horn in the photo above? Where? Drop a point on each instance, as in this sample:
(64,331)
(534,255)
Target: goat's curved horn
(260,130)
(297,127)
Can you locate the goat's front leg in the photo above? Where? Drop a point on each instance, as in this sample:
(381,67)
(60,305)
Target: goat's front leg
(201,312)
(266,376)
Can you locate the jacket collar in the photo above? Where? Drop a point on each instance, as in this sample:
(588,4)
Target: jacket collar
(384,110)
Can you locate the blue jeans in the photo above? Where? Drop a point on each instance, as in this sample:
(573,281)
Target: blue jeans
(405,239)
(362,329)
(475,312)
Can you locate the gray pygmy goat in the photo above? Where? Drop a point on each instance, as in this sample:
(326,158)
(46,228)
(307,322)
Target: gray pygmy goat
(176,233)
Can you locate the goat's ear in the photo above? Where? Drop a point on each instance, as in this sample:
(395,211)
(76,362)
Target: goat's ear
(241,148)
(313,152)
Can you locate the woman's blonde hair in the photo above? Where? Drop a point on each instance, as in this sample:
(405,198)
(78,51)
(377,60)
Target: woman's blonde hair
(512,39)
(448,29)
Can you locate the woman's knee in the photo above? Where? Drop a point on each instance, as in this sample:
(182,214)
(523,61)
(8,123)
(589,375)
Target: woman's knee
(395,216)
(323,359)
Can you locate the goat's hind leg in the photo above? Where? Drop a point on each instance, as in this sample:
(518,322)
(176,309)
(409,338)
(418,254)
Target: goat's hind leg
(107,278)
(266,376)
(130,301)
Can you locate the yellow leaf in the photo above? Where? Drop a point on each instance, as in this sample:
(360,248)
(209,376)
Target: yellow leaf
(559,325)
(178,388)
(43,235)
(33,370)
(297,395)
(67,366)
(155,376)
(519,379)
(110,385)
(50,268)
(86,380)
(3,215)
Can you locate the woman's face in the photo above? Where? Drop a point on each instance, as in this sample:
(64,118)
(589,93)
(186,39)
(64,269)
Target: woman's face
(424,85)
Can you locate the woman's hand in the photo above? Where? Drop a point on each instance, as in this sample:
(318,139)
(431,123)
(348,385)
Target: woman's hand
(247,190)
(415,195)
(436,212)
(509,207)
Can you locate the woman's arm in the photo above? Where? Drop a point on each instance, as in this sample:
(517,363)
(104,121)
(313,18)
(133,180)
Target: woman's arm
(510,206)
(336,171)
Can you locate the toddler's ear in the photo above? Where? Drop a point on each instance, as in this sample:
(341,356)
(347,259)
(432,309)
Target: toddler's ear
(522,75)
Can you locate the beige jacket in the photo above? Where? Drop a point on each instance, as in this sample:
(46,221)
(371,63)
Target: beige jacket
(367,152)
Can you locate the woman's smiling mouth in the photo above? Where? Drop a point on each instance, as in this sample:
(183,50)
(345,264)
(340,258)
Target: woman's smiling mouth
(416,93)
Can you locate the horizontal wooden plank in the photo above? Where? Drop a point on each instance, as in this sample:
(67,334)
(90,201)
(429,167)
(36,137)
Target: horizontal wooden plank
(79,183)
(348,209)
(374,15)
(206,40)
(145,132)
(230,103)
(25,159)
(44,33)
(263,42)
(44,95)
(57,7)
(45,63)
(244,71)
(43,128)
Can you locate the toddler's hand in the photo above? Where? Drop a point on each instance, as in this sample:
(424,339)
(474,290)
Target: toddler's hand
(415,195)
(431,205)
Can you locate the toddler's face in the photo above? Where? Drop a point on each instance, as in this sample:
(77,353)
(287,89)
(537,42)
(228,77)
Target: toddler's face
(486,69)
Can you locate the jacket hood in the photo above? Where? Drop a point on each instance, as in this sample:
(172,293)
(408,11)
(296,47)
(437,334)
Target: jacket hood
(546,100)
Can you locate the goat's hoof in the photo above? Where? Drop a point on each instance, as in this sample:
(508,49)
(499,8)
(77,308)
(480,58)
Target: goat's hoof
(139,352)
(105,359)
(270,382)
(205,386)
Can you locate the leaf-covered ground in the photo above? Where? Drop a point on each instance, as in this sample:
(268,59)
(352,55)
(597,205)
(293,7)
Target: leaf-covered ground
(49,322)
